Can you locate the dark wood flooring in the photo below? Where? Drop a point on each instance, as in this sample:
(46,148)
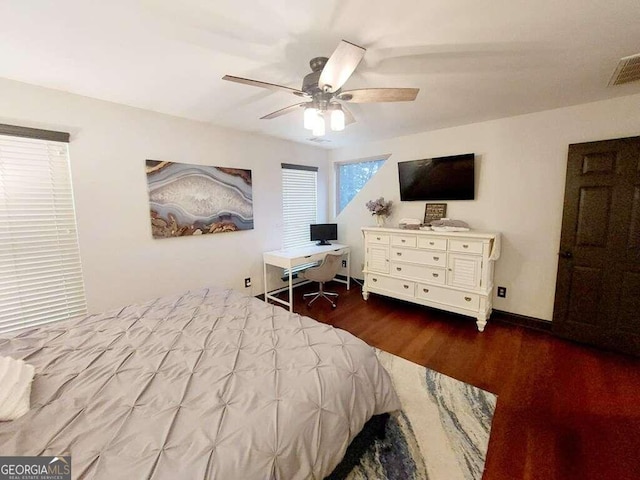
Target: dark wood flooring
(564,411)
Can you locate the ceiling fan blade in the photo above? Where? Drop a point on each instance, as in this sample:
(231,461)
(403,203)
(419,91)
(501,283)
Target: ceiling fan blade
(258,83)
(340,66)
(372,95)
(284,111)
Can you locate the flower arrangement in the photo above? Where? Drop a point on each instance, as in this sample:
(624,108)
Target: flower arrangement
(379,207)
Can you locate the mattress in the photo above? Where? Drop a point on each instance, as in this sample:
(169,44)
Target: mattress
(210,384)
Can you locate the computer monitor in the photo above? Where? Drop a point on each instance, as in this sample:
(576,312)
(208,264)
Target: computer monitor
(321,232)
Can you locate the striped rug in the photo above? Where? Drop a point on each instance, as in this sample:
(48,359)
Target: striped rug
(441,433)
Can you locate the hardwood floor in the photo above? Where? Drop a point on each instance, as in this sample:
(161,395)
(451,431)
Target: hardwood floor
(564,411)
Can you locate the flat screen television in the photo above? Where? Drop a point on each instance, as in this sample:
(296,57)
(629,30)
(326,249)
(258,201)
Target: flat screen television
(322,232)
(440,178)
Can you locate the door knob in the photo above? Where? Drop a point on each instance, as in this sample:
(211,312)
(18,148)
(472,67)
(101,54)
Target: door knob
(566,254)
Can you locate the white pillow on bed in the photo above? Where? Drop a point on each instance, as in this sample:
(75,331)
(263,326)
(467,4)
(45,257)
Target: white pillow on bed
(15,388)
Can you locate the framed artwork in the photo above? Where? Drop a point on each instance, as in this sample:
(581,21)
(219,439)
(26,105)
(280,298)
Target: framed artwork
(187,200)
(434,211)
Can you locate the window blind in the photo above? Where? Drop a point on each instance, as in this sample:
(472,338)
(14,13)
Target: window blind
(299,205)
(40,270)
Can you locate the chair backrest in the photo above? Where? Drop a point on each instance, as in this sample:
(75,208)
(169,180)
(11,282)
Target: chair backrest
(326,270)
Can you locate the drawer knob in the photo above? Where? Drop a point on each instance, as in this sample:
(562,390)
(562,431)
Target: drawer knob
(405,286)
(465,246)
(374,279)
(425,290)
(377,238)
(399,269)
(403,240)
(435,275)
(436,258)
(431,243)
(399,254)
(468,299)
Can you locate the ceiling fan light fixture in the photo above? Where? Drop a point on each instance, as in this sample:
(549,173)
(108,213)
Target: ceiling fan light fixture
(318,126)
(337,119)
(310,114)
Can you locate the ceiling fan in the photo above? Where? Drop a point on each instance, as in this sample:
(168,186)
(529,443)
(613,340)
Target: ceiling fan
(322,90)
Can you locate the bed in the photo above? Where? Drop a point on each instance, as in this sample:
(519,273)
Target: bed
(209,384)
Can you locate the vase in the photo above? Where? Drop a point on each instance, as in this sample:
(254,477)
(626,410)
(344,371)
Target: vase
(379,220)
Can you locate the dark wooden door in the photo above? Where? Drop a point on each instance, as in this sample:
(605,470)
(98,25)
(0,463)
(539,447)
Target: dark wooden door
(598,288)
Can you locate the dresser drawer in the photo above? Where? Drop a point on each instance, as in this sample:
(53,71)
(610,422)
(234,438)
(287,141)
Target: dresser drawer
(392,285)
(379,238)
(419,272)
(469,301)
(467,246)
(425,257)
(403,240)
(432,243)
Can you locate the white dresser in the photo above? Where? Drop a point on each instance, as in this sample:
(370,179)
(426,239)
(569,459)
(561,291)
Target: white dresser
(448,270)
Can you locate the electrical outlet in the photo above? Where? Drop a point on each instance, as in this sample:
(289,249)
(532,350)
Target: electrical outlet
(247,282)
(344,264)
(502,292)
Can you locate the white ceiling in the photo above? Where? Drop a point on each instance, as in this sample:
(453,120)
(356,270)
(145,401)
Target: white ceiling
(472,60)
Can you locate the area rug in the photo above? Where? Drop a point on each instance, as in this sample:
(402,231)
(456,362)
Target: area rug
(441,433)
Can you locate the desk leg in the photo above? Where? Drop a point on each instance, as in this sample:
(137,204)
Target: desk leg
(290,290)
(266,289)
(348,269)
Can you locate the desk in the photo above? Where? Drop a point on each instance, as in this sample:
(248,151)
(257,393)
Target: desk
(292,257)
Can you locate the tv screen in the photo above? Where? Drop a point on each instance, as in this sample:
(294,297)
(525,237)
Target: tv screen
(321,232)
(440,178)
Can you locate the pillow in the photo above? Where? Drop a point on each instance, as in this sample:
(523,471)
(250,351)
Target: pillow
(15,388)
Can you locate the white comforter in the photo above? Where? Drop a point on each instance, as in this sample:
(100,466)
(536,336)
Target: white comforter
(209,384)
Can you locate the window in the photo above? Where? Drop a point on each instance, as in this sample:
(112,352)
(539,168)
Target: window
(352,176)
(40,271)
(299,203)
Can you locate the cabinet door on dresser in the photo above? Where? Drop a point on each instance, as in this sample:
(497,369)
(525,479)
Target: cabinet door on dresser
(464,270)
(378,258)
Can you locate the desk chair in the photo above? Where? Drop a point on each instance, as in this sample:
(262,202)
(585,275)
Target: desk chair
(323,273)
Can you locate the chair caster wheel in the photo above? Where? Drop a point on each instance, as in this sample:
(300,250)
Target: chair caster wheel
(333,305)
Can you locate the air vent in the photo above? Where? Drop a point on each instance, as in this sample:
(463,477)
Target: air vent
(628,70)
(319,140)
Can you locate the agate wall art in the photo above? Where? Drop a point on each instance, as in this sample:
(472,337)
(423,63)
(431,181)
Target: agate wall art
(198,199)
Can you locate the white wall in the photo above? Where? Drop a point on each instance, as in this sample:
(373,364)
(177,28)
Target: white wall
(521,168)
(109,144)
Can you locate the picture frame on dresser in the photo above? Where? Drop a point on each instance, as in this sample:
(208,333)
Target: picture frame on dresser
(434,211)
(451,271)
